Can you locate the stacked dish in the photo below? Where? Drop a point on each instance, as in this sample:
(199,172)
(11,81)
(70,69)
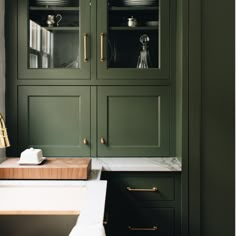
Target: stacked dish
(140,2)
(52,2)
(152,23)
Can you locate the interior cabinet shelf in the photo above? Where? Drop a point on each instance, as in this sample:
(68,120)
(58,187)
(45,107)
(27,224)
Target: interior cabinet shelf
(138,8)
(133,28)
(54,8)
(72,28)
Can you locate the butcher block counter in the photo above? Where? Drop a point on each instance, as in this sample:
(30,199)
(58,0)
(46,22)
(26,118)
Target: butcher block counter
(51,168)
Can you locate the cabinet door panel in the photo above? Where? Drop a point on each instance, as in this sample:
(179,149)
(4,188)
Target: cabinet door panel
(160,221)
(131,215)
(55,119)
(54,39)
(142,221)
(164,185)
(122,54)
(133,121)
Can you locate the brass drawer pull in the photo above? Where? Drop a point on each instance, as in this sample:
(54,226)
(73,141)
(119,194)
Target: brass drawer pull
(154,189)
(85,47)
(154,228)
(102,47)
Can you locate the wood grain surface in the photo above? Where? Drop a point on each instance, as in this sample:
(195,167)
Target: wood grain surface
(51,168)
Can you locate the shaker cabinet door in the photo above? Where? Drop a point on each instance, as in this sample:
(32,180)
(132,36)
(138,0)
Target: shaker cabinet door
(54,39)
(133,121)
(55,119)
(133,39)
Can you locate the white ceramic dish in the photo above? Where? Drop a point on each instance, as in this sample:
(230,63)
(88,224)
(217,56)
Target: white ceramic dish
(52,2)
(152,23)
(139,2)
(22,162)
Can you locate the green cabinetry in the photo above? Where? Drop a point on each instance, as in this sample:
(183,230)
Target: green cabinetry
(55,119)
(57,51)
(122,47)
(94,77)
(56,40)
(133,121)
(143,203)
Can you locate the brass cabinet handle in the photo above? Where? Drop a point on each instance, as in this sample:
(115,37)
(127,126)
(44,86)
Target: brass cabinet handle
(102,47)
(85,141)
(85,47)
(154,189)
(154,228)
(102,141)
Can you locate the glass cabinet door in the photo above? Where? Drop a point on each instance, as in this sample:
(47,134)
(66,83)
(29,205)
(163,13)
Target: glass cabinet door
(133,39)
(54,39)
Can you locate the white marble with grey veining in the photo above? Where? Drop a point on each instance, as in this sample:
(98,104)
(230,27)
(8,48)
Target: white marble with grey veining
(137,164)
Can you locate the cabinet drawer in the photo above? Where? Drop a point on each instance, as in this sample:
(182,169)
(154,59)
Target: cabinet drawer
(144,221)
(145,188)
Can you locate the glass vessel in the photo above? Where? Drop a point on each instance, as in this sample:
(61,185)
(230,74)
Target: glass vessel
(144,60)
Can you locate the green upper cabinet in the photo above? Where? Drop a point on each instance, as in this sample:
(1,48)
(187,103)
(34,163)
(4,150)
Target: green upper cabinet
(54,39)
(101,39)
(133,121)
(133,39)
(55,119)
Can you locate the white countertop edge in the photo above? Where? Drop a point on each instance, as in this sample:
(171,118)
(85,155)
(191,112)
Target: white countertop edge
(137,164)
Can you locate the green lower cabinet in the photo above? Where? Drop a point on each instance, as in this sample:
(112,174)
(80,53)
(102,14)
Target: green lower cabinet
(55,119)
(143,203)
(133,121)
(143,222)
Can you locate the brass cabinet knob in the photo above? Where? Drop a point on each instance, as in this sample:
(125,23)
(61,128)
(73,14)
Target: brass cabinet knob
(102,141)
(85,141)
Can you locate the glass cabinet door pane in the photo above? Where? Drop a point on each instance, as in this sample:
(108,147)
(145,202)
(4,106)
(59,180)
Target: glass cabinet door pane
(133,39)
(133,34)
(54,34)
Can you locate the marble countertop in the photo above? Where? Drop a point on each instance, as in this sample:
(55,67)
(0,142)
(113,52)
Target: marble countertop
(137,164)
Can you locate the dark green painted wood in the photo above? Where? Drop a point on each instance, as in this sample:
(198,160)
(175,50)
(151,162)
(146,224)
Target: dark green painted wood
(182,106)
(11,74)
(93,44)
(194,117)
(162,218)
(55,119)
(104,72)
(123,210)
(165,186)
(93,121)
(173,68)
(134,121)
(218,119)
(56,73)
(93,82)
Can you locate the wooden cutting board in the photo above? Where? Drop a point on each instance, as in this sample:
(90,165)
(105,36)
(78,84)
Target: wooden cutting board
(51,168)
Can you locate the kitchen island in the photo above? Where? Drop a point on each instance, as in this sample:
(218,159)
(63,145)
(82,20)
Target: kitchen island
(27,206)
(78,201)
